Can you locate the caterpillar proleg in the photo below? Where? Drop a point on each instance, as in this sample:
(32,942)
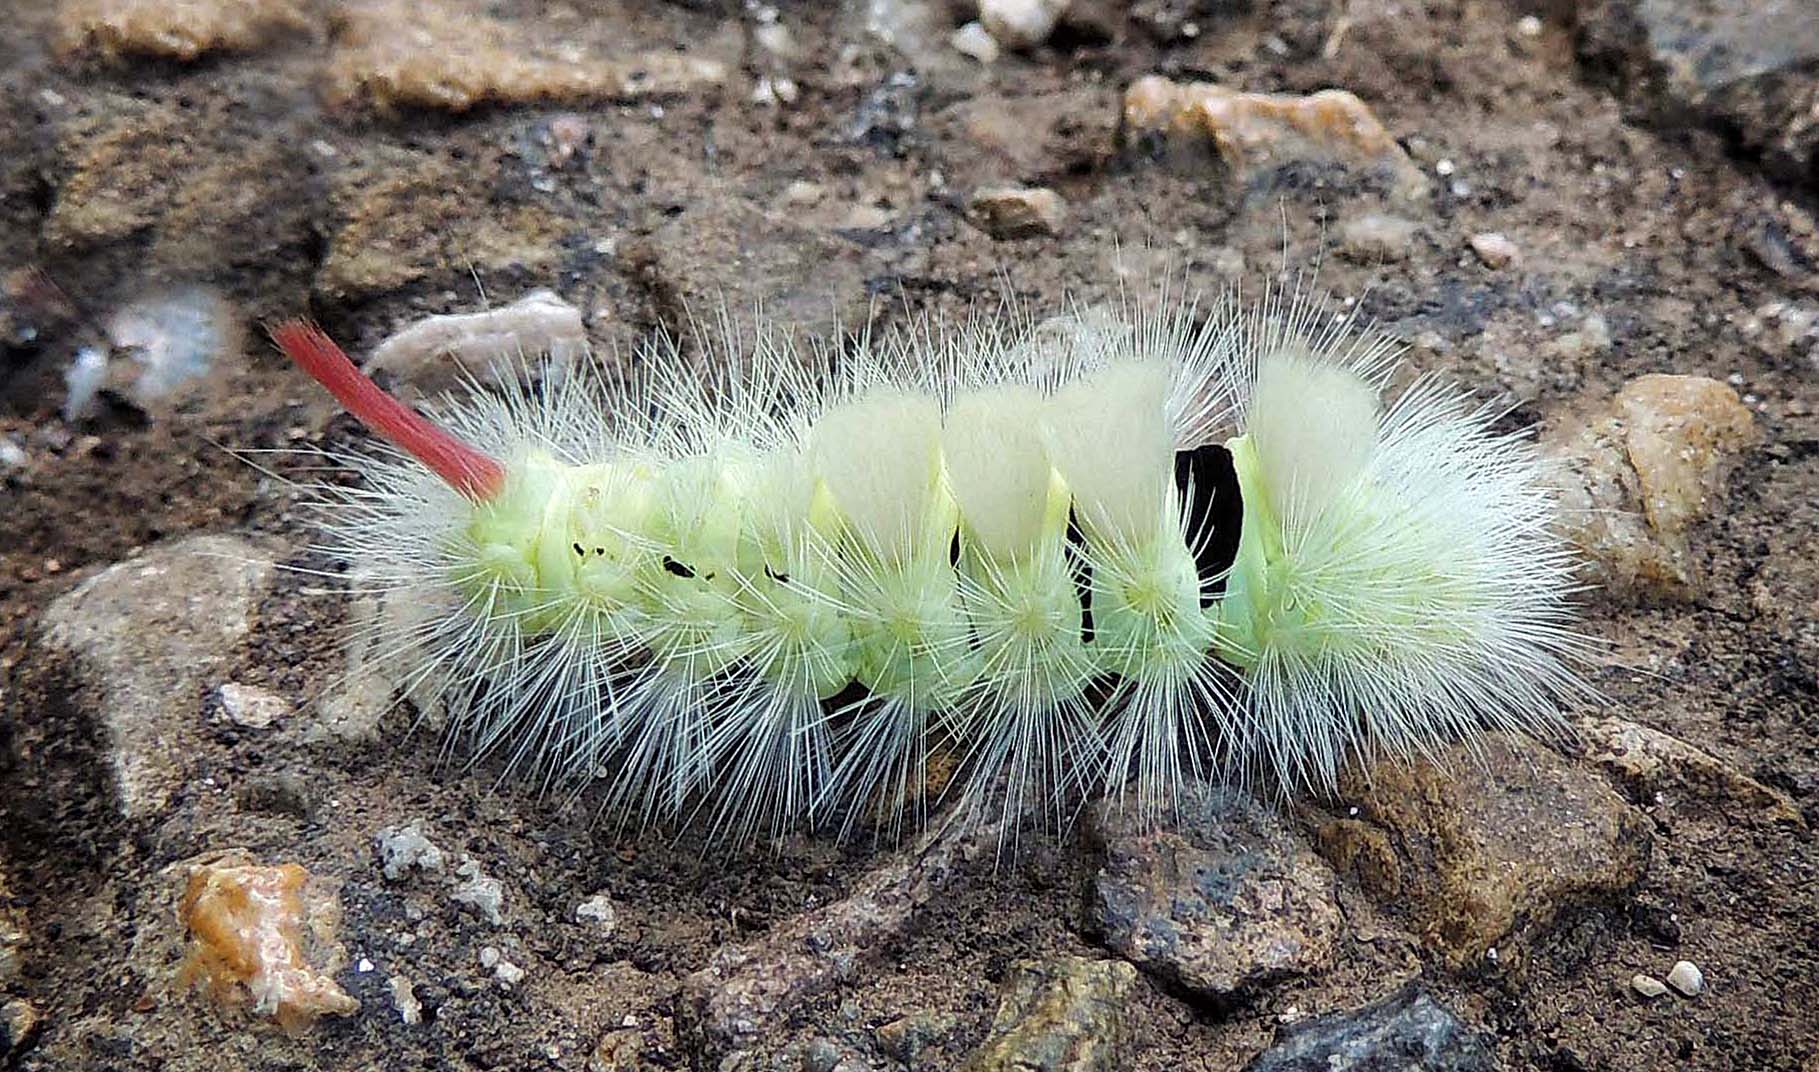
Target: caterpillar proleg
(1108,553)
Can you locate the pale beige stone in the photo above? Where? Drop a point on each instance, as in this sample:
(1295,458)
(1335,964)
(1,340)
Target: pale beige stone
(1651,760)
(455,56)
(1638,476)
(1257,130)
(183,30)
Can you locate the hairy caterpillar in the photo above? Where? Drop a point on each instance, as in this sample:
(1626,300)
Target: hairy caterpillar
(1104,553)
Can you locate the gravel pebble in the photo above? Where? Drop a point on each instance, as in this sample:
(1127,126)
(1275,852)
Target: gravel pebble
(1495,250)
(973,40)
(1687,978)
(251,706)
(1020,23)
(597,910)
(1647,985)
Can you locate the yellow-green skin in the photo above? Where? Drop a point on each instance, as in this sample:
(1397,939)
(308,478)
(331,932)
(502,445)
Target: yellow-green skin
(668,561)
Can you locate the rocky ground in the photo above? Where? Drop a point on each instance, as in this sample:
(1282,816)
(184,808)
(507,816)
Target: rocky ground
(1601,211)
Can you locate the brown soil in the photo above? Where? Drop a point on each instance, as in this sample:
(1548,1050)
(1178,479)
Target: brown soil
(120,179)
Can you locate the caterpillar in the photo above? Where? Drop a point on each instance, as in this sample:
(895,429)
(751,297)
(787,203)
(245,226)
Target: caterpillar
(1019,562)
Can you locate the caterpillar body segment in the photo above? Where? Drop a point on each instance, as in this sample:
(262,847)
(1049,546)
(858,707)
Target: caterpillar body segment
(1106,552)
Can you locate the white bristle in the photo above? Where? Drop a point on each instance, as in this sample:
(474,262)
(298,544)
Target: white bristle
(688,574)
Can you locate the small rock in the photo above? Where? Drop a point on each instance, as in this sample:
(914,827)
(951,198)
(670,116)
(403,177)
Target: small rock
(1019,212)
(770,92)
(1638,477)
(1742,67)
(1406,1031)
(974,40)
(147,636)
(456,56)
(776,39)
(19,1024)
(1021,24)
(1062,1015)
(747,989)
(251,930)
(1678,429)
(251,706)
(1224,900)
(1377,237)
(1649,760)
(908,1037)
(496,345)
(12,455)
(508,974)
(405,849)
(1647,985)
(1254,132)
(1484,840)
(404,999)
(183,32)
(1686,977)
(485,895)
(1495,250)
(597,910)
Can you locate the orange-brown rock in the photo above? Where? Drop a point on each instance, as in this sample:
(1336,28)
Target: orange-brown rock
(182,30)
(255,932)
(1490,842)
(1252,131)
(455,57)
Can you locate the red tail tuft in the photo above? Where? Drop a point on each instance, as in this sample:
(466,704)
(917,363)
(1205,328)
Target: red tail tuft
(468,471)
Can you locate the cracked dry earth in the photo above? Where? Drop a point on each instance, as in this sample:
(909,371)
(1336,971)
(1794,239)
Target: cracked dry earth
(1602,212)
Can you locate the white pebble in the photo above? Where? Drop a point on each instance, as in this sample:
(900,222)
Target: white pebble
(1528,26)
(1494,249)
(1687,978)
(12,455)
(1020,23)
(251,706)
(973,40)
(402,849)
(1647,985)
(486,895)
(504,970)
(775,38)
(404,999)
(598,910)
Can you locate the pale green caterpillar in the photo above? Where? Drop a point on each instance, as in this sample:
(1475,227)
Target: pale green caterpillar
(1107,553)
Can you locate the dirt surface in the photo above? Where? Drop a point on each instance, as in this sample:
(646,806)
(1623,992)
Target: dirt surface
(292,173)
